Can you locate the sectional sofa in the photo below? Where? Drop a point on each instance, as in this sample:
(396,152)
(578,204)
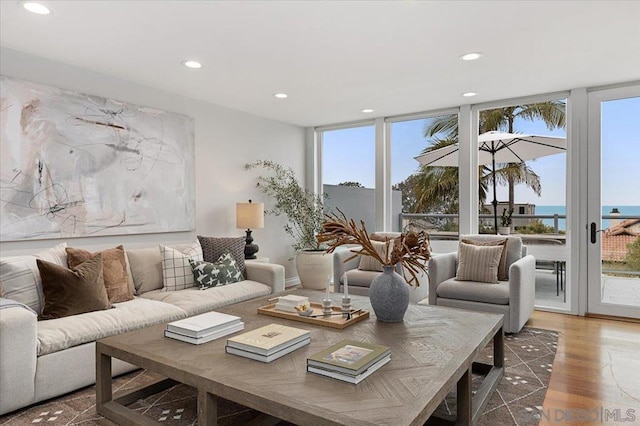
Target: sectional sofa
(43,359)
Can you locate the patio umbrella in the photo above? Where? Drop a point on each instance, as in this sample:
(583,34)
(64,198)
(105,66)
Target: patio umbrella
(498,147)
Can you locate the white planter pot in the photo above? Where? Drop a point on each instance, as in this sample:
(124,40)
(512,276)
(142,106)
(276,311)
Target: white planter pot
(313,268)
(504,230)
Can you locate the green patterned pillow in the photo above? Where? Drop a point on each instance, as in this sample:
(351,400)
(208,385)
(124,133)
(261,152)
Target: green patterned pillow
(223,271)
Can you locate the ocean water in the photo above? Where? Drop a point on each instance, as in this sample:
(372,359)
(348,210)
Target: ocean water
(562,210)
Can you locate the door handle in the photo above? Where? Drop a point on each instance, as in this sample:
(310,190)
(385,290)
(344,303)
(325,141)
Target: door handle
(594,231)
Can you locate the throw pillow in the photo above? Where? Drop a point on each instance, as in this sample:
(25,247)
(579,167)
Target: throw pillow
(478,263)
(72,291)
(20,279)
(370,263)
(503,273)
(224,271)
(146,269)
(214,247)
(176,270)
(114,271)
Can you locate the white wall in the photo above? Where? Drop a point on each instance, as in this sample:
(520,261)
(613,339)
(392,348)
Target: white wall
(225,140)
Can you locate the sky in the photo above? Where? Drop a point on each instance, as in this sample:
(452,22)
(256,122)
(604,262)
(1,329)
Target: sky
(349,155)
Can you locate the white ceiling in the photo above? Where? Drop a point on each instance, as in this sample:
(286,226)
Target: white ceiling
(335,58)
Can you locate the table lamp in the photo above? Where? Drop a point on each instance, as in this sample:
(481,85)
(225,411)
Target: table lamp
(250,215)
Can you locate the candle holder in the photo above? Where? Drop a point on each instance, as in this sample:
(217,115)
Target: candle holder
(326,307)
(346,306)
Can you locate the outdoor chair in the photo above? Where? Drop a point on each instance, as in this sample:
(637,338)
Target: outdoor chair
(513,297)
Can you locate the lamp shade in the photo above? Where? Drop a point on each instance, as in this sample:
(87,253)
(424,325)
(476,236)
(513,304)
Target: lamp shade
(250,215)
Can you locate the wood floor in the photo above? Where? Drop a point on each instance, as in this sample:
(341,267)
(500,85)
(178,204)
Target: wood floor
(596,372)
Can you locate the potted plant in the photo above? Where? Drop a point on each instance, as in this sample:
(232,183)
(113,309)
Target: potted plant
(388,292)
(505,220)
(304,211)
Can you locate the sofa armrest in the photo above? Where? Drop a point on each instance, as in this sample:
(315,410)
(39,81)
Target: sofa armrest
(18,350)
(441,268)
(340,266)
(270,274)
(522,290)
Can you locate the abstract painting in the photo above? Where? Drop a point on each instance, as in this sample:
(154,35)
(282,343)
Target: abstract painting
(76,165)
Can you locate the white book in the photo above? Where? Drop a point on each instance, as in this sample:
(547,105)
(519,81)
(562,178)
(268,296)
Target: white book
(207,337)
(293,300)
(348,378)
(268,339)
(268,358)
(199,325)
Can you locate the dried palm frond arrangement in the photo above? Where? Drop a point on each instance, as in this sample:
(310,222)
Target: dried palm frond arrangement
(410,249)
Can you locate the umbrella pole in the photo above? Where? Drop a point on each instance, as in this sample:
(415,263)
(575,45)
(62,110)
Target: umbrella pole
(495,196)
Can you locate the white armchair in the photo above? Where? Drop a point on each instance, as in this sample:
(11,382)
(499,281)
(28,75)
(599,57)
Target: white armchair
(513,298)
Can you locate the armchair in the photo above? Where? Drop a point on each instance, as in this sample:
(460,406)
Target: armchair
(513,298)
(359,280)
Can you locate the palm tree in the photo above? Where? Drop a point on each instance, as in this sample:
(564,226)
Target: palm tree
(446,127)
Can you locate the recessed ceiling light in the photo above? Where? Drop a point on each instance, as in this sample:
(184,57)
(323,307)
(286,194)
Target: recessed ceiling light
(469,94)
(471,56)
(192,64)
(281,95)
(367,110)
(34,7)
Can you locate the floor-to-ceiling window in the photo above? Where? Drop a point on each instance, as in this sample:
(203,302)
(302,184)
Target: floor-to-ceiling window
(428,192)
(348,172)
(522,169)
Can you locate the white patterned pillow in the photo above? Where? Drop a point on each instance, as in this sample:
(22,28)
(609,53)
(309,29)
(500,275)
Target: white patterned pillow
(478,263)
(176,269)
(20,279)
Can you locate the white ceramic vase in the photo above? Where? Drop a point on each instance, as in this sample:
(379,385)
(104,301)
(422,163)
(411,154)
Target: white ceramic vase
(504,230)
(313,268)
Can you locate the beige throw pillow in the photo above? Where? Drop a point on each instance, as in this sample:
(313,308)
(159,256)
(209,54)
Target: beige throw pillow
(503,273)
(146,269)
(478,263)
(370,263)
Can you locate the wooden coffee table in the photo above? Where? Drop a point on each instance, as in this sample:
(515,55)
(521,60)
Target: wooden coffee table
(431,352)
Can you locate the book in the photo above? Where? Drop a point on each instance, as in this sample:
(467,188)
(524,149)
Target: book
(290,302)
(206,337)
(293,300)
(268,339)
(199,325)
(272,356)
(348,377)
(349,357)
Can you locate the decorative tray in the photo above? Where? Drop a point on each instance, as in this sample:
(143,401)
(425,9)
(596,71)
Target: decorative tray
(333,321)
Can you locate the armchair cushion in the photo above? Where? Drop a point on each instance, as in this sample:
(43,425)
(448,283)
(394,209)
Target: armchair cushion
(478,263)
(359,278)
(514,246)
(370,263)
(496,294)
(502,267)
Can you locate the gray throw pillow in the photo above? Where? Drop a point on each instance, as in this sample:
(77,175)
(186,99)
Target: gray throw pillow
(478,263)
(224,271)
(214,247)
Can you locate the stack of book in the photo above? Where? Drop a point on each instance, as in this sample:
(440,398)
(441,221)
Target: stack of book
(349,360)
(204,327)
(268,343)
(290,302)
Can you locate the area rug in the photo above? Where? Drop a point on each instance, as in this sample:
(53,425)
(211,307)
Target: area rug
(518,400)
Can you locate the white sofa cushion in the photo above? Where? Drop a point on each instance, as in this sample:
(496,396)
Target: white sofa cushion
(195,301)
(62,333)
(497,294)
(20,279)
